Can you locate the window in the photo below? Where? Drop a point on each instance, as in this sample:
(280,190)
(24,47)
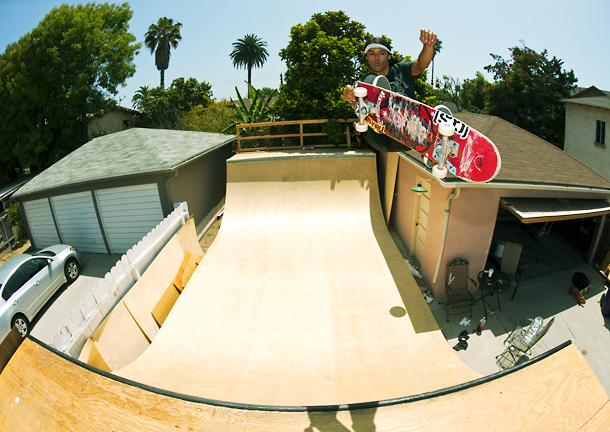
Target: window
(600,133)
(32,267)
(13,284)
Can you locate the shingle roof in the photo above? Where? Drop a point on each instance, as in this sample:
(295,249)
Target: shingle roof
(528,159)
(133,151)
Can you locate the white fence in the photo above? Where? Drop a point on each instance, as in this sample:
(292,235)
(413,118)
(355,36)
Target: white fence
(73,335)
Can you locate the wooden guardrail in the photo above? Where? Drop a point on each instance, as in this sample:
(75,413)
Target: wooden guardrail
(263,133)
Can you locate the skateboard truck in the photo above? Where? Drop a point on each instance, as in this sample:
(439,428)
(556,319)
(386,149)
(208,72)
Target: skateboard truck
(362,109)
(445,148)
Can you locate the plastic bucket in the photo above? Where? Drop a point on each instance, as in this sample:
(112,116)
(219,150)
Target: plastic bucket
(499,252)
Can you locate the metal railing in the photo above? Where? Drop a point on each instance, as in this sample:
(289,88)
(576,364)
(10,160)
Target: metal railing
(264,132)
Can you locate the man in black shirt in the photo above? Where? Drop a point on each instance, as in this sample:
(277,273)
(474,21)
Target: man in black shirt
(378,54)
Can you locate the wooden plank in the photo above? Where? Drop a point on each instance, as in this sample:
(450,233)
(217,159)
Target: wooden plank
(92,356)
(122,340)
(190,268)
(178,278)
(165,304)
(41,391)
(9,345)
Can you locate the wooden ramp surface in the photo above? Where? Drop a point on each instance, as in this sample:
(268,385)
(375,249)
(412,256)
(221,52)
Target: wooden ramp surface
(303,298)
(40,391)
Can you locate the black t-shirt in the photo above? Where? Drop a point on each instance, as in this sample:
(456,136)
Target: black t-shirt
(401,79)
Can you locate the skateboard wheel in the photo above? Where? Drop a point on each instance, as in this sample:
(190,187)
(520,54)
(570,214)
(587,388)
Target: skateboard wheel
(360,92)
(439,173)
(361,127)
(446,129)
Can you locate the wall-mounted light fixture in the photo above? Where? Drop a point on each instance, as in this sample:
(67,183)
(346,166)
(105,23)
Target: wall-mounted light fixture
(419,189)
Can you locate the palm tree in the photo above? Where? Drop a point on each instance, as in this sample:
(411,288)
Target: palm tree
(160,38)
(438,46)
(249,52)
(141,94)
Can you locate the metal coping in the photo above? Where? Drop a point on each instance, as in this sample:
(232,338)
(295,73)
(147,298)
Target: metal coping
(314,408)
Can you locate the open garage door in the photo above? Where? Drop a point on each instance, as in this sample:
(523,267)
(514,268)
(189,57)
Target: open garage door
(78,222)
(41,223)
(128,214)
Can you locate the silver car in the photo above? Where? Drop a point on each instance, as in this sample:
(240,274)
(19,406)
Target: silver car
(28,281)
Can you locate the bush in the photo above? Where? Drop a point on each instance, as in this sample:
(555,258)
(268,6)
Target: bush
(14,216)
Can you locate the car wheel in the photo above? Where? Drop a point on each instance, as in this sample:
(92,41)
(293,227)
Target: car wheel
(72,270)
(23,325)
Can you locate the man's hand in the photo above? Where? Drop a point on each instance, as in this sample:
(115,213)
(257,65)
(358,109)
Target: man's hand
(427,37)
(348,94)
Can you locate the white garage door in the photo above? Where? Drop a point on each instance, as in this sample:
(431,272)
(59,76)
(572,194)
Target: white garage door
(128,214)
(40,221)
(78,222)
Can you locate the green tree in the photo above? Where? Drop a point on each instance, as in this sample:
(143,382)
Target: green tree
(163,107)
(323,55)
(66,69)
(470,95)
(450,90)
(160,39)
(528,90)
(140,96)
(474,93)
(249,52)
(214,118)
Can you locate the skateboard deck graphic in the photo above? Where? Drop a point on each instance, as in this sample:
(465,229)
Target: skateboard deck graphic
(469,154)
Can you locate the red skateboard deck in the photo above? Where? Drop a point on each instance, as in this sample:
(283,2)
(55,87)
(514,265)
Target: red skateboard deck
(469,154)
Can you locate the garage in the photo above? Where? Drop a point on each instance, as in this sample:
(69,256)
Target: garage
(109,193)
(77,222)
(42,226)
(128,214)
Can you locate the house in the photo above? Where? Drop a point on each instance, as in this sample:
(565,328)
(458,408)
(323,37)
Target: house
(114,120)
(587,114)
(109,193)
(456,218)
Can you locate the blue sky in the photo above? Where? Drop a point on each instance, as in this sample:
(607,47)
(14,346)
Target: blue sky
(575,32)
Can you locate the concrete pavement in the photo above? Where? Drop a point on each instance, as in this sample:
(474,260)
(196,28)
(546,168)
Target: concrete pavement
(69,296)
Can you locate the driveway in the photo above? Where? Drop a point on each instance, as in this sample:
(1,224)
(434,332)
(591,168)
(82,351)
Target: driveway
(69,297)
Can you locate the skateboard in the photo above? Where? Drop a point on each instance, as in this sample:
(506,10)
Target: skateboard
(449,143)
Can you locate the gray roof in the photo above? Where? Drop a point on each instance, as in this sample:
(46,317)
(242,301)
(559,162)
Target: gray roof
(130,152)
(597,102)
(527,158)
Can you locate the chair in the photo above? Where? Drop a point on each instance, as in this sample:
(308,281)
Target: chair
(456,288)
(510,357)
(521,341)
(510,263)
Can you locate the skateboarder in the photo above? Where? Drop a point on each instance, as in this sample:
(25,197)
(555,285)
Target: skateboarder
(378,54)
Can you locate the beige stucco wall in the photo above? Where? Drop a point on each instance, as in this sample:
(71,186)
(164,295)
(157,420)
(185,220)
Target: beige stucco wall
(470,229)
(471,226)
(109,123)
(580,137)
